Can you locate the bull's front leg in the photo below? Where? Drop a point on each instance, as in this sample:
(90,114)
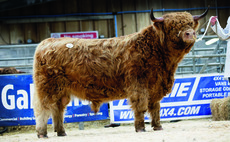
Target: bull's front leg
(138,97)
(154,110)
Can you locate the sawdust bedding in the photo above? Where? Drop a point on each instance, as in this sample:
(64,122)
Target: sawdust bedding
(201,130)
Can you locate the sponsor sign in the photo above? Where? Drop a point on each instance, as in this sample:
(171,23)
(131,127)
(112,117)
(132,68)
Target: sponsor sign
(85,35)
(16,107)
(190,98)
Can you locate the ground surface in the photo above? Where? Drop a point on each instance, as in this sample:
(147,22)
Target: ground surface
(202,130)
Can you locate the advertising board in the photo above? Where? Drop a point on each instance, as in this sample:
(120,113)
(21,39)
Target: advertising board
(85,35)
(16,107)
(190,98)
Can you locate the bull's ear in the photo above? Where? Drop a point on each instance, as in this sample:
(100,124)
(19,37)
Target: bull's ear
(196,25)
(158,26)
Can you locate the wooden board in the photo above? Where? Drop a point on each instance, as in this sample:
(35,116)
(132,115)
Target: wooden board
(156,5)
(129,24)
(115,6)
(43,9)
(30,32)
(57,27)
(72,26)
(16,34)
(87,25)
(119,25)
(142,19)
(101,25)
(85,6)
(129,20)
(43,31)
(56,7)
(111,28)
(71,6)
(126,23)
(4,34)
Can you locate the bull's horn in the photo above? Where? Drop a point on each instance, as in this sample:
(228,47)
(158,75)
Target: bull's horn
(155,19)
(198,17)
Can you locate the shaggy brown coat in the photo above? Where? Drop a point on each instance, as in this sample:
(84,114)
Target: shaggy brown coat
(139,67)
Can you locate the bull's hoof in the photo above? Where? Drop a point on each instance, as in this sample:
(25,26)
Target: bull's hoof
(158,128)
(42,136)
(140,130)
(62,134)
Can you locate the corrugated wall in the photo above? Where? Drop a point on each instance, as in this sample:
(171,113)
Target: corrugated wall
(25,28)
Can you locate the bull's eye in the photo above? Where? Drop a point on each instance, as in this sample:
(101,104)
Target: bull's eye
(190,24)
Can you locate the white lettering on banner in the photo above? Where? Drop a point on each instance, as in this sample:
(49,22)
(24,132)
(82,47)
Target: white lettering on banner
(93,114)
(188,110)
(220,83)
(22,102)
(214,89)
(129,114)
(11,98)
(9,119)
(31,95)
(126,115)
(226,88)
(182,91)
(81,115)
(26,118)
(211,95)
(76,102)
(165,112)
(174,91)
(68,116)
(80,36)
(218,78)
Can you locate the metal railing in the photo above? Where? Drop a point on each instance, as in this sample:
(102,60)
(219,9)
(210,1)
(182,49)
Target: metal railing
(18,56)
(202,58)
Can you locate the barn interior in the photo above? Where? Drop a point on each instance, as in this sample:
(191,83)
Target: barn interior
(25,23)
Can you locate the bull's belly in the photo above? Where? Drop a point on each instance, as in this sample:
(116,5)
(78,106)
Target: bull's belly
(98,95)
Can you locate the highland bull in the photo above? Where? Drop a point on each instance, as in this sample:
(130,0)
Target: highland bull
(139,67)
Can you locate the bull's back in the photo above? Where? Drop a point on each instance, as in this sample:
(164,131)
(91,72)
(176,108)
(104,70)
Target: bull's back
(86,66)
(73,54)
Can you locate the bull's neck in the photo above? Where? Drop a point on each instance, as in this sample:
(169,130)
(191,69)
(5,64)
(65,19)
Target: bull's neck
(169,57)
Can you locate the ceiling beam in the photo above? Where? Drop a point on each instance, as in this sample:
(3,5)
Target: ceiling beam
(15,4)
(56,19)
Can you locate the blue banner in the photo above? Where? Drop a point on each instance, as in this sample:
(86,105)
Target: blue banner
(190,98)
(16,104)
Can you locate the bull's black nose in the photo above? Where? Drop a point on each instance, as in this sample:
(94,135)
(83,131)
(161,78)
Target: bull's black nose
(190,33)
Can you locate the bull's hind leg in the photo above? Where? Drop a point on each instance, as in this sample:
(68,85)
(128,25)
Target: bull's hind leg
(41,123)
(139,104)
(58,115)
(42,115)
(154,110)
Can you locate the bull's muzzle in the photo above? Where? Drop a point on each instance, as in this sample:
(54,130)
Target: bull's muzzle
(189,35)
